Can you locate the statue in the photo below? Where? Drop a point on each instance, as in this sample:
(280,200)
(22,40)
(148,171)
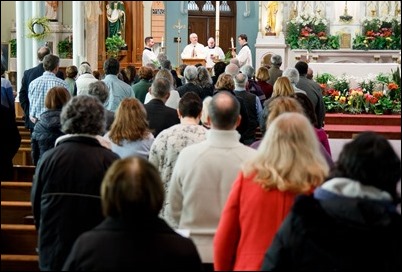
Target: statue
(117,18)
(272,10)
(51,10)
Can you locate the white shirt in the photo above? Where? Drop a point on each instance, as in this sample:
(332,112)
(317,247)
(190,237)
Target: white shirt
(148,56)
(244,57)
(200,52)
(216,51)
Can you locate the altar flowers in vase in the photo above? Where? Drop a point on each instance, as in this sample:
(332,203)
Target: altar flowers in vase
(310,31)
(374,94)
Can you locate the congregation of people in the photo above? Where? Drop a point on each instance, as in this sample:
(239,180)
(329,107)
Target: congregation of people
(154,168)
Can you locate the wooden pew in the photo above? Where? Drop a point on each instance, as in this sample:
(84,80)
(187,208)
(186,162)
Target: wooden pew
(18,248)
(16,212)
(16,191)
(23,156)
(23,172)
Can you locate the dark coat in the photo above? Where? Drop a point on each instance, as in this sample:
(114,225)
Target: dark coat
(337,234)
(160,117)
(28,77)
(45,133)
(65,195)
(143,245)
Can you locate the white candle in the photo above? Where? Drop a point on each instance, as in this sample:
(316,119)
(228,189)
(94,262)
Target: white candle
(231,41)
(162,43)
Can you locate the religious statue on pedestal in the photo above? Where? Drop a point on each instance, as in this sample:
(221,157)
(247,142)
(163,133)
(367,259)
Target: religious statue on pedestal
(51,10)
(116,17)
(272,10)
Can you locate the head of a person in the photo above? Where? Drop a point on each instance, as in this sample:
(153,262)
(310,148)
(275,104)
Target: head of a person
(240,81)
(289,156)
(132,189)
(232,69)
(130,122)
(165,73)
(235,61)
(166,64)
(162,59)
(276,60)
(85,62)
(204,113)
(182,67)
(131,72)
(56,98)
(83,114)
(149,41)
(100,90)
(190,105)
(242,39)
(219,68)
(308,108)
(211,42)
(225,82)
(84,69)
(42,52)
(310,73)
(224,111)
(96,74)
(71,71)
(302,67)
(203,77)
(50,62)
(275,106)
(193,38)
(371,160)
(190,73)
(282,87)
(248,70)
(111,66)
(145,73)
(292,74)
(160,88)
(262,74)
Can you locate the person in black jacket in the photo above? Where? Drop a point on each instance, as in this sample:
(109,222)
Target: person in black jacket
(48,128)
(351,222)
(132,237)
(65,193)
(28,77)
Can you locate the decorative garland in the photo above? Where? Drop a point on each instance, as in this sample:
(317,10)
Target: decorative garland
(41,21)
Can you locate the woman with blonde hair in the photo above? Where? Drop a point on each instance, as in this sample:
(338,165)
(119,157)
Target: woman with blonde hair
(283,87)
(130,134)
(288,163)
(262,77)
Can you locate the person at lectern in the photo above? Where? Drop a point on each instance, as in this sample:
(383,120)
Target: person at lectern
(194,49)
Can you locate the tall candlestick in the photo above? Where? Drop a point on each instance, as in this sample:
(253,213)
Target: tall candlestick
(162,43)
(231,41)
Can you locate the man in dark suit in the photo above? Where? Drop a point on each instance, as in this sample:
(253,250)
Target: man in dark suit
(28,77)
(160,116)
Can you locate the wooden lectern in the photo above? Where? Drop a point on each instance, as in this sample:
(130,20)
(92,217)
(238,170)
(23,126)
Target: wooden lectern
(194,61)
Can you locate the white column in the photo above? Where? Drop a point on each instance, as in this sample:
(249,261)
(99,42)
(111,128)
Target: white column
(217,19)
(19,24)
(35,43)
(78,33)
(28,63)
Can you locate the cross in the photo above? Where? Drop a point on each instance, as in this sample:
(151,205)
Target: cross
(179,26)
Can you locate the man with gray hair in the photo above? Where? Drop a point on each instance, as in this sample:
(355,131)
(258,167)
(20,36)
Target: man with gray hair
(190,74)
(100,90)
(85,77)
(275,71)
(66,187)
(39,87)
(252,85)
(204,174)
(294,77)
(253,105)
(159,115)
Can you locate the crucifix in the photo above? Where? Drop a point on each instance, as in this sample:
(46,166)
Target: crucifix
(179,27)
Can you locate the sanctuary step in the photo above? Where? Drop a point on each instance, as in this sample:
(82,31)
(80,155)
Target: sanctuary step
(347,126)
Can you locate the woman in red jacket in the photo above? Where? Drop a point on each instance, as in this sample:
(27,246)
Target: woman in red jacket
(288,163)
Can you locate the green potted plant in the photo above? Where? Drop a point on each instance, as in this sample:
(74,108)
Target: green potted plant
(114,45)
(65,48)
(13,48)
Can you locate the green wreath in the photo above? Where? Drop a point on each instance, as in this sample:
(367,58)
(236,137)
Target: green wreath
(40,21)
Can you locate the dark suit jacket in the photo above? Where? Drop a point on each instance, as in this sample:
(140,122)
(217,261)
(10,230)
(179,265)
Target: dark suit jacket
(28,77)
(144,245)
(160,116)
